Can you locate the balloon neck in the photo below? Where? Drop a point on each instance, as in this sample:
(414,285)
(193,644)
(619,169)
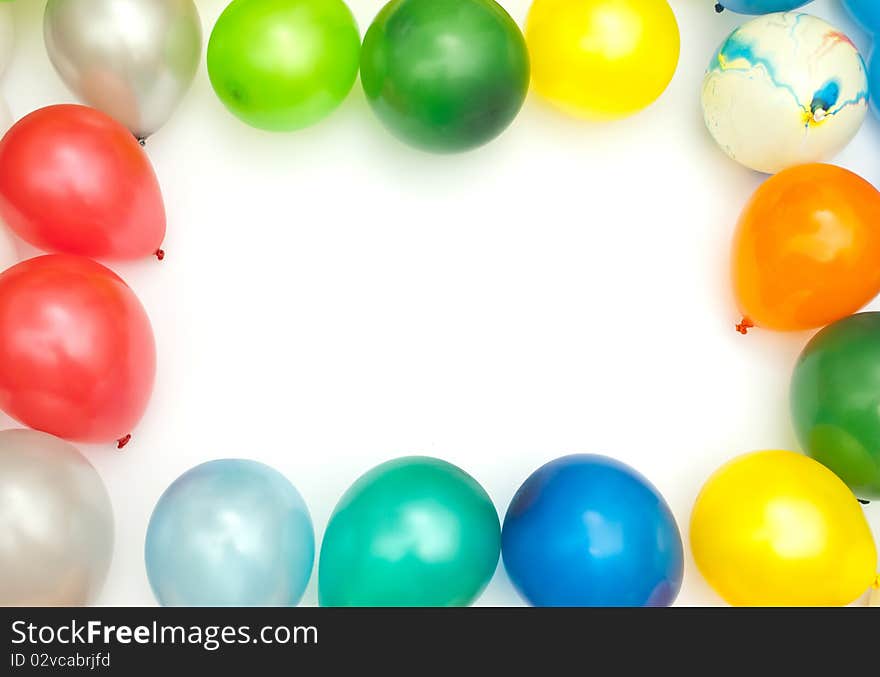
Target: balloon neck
(874,595)
(142,140)
(744,326)
(160,254)
(122,441)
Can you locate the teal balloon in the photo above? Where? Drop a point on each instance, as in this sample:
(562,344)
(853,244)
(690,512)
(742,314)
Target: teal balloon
(415,531)
(230,533)
(445,75)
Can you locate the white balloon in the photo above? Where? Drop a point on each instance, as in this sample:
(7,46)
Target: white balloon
(785,89)
(7,35)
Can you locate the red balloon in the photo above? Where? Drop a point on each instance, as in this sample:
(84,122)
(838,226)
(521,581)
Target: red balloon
(74,180)
(77,355)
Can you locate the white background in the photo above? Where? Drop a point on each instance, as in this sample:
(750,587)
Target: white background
(332,299)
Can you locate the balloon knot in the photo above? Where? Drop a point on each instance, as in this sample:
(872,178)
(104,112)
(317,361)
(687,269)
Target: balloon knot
(744,326)
(142,140)
(719,7)
(876,583)
(122,441)
(863,501)
(160,254)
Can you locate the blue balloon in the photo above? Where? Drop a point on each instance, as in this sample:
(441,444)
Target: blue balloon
(587,530)
(762,6)
(874,79)
(230,533)
(866,13)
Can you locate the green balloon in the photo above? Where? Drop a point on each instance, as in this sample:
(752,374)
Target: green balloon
(835,401)
(445,75)
(415,531)
(283,64)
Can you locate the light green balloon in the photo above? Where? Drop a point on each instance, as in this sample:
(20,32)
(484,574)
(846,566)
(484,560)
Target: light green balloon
(415,531)
(282,65)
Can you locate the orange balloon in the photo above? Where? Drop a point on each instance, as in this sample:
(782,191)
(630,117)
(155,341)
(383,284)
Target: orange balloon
(807,249)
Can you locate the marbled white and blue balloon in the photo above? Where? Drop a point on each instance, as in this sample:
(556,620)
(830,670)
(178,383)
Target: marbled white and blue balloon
(784,89)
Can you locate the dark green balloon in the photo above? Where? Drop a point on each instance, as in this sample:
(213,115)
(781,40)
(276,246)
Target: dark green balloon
(445,75)
(835,401)
(415,531)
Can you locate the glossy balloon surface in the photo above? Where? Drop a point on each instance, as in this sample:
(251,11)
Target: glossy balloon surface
(132,59)
(74,180)
(602,58)
(776,528)
(762,6)
(445,75)
(587,530)
(230,533)
(281,65)
(784,89)
(866,13)
(56,523)
(415,531)
(835,401)
(806,248)
(77,355)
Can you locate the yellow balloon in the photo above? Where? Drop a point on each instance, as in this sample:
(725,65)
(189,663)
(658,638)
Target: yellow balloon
(602,58)
(776,528)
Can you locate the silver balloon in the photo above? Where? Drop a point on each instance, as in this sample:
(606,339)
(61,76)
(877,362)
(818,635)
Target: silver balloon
(56,522)
(132,59)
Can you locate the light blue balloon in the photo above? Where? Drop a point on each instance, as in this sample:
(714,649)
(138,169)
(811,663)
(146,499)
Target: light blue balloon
(763,6)
(866,13)
(230,533)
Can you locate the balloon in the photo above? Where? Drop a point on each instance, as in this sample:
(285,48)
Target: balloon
(866,13)
(7,35)
(445,76)
(762,6)
(784,89)
(775,528)
(587,530)
(282,65)
(56,520)
(132,59)
(77,356)
(602,58)
(73,180)
(835,401)
(874,79)
(806,249)
(414,531)
(230,533)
